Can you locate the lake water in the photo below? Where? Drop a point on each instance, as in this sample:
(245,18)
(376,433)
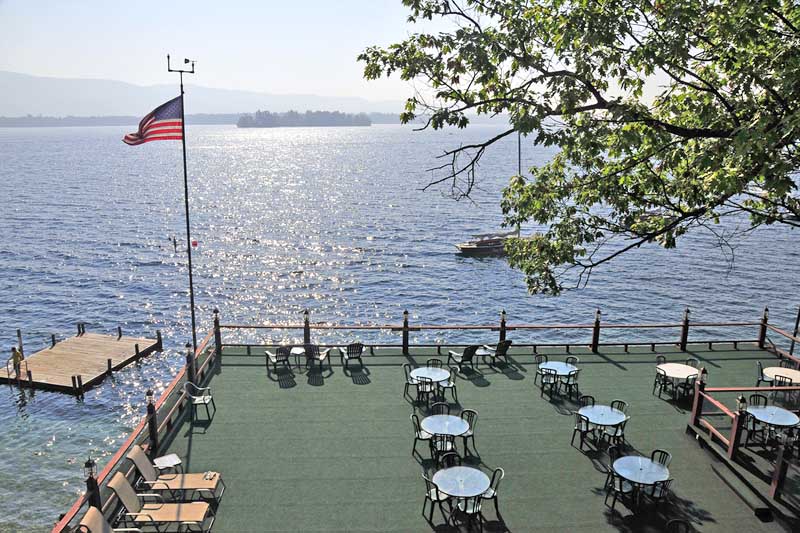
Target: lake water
(286,219)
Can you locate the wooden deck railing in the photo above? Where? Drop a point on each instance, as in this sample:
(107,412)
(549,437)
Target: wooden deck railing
(731,442)
(170,408)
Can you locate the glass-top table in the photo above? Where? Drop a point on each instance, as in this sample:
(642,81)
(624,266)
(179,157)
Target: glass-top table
(603,415)
(561,368)
(640,470)
(773,415)
(434,374)
(678,370)
(444,425)
(461,481)
(790,373)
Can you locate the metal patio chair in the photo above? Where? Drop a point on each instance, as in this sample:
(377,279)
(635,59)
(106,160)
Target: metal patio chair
(419,433)
(199,396)
(471,418)
(615,434)
(582,427)
(433,495)
(658,491)
(440,408)
(662,457)
(434,363)
(619,405)
(549,381)
(450,385)
(572,360)
(570,382)
(586,401)
(539,359)
(494,486)
(760,376)
(691,361)
(470,509)
(410,382)
(425,389)
(441,444)
(620,488)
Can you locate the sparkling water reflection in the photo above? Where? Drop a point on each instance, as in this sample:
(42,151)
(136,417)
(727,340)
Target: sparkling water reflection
(286,219)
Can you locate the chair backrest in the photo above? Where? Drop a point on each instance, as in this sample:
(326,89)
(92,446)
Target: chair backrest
(620,405)
(440,408)
(469,353)
(782,381)
(691,361)
(786,363)
(355,349)
(312,351)
(581,422)
(471,417)
(434,363)
(660,360)
(425,383)
(540,358)
(502,347)
(407,371)
(661,373)
(758,399)
(613,453)
(449,459)
(122,488)
(143,464)
(678,526)
(549,375)
(453,373)
(661,488)
(283,352)
(586,400)
(191,389)
(415,421)
(572,360)
(661,456)
(94,522)
(572,377)
(760,370)
(430,487)
(497,477)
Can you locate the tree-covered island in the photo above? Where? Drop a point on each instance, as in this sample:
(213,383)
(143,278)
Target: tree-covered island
(265,119)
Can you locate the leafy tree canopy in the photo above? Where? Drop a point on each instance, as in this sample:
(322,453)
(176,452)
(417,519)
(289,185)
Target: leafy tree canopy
(719,139)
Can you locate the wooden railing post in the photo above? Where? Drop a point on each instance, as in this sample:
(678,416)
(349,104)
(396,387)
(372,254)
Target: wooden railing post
(405,332)
(796,331)
(190,375)
(779,474)
(502,325)
(762,332)
(306,328)
(596,331)
(217,336)
(685,330)
(736,433)
(152,424)
(697,406)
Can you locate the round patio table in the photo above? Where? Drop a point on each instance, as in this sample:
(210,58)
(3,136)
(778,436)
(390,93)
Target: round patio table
(444,425)
(640,470)
(561,368)
(678,370)
(461,481)
(436,375)
(603,415)
(790,373)
(773,415)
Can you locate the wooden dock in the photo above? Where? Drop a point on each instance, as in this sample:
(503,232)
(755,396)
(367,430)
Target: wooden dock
(78,363)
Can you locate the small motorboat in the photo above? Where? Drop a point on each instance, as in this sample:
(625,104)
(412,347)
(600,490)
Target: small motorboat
(486,243)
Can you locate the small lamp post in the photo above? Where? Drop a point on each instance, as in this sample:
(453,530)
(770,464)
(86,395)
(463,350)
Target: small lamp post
(741,404)
(703,375)
(152,423)
(92,489)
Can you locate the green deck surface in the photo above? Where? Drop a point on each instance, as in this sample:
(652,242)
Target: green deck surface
(332,452)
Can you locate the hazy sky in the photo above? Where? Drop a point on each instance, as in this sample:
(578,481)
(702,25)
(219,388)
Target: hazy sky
(271,46)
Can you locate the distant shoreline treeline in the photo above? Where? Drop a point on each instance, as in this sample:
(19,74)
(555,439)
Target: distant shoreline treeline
(293,119)
(34,121)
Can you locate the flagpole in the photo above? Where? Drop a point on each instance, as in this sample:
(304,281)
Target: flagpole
(186,199)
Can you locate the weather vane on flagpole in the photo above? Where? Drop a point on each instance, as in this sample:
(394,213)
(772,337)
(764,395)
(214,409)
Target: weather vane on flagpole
(181,72)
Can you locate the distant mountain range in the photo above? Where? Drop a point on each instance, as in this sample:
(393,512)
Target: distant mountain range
(23,94)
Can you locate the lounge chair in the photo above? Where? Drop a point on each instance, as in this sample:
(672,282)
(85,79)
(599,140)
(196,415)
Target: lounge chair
(179,486)
(466,356)
(281,356)
(94,522)
(188,516)
(496,352)
(352,351)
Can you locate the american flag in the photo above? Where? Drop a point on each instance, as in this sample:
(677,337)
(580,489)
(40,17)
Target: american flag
(164,123)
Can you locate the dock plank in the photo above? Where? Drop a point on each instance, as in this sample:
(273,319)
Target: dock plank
(85,355)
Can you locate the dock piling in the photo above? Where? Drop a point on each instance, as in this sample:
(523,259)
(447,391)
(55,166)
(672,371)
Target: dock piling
(30,379)
(19,340)
(159,341)
(109,365)
(80,385)
(52,340)
(119,332)
(136,350)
